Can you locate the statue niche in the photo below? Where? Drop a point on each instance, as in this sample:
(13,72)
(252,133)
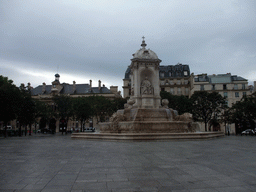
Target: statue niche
(146,87)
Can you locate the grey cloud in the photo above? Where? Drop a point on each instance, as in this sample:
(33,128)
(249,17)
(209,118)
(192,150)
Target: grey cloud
(83,37)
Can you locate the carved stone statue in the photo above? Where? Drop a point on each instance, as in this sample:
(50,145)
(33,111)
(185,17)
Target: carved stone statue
(146,87)
(132,91)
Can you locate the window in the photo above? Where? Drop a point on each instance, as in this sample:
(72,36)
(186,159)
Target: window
(172,91)
(201,87)
(213,87)
(243,86)
(186,91)
(162,89)
(235,86)
(178,82)
(185,82)
(244,94)
(170,74)
(162,74)
(236,94)
(179,91)
(224,87)
(226,103)
(225,94)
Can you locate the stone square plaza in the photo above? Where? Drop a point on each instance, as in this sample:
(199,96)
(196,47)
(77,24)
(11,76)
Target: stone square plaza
(57,162)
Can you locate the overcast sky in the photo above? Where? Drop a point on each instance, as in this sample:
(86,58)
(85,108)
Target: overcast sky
(83,39)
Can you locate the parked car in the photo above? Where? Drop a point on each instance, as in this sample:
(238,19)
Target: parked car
(8,127)
(45,130)
(248,132)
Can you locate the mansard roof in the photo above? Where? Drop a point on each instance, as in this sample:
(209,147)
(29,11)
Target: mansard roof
(219,78)
(69,89)
(168,70)
(174,70)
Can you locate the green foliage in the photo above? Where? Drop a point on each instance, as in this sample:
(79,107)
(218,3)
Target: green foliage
(43,110)
(27,107)
(82,109)
(64,106)
(9,100)
(180,103)
(118,103)
(244,111)
(101,107)
(207,106)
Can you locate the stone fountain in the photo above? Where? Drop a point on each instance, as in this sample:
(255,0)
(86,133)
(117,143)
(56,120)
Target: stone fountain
(145,116)
(144,111)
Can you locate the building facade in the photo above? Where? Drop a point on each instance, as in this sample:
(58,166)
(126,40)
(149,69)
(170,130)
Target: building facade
(232,87)
(175,79)
(47,92)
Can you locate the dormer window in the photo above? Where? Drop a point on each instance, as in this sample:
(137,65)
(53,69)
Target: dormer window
(185,73)
(170,74)
(162,74)
(54,86)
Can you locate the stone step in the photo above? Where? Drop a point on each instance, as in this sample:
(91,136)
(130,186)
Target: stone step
(147,136)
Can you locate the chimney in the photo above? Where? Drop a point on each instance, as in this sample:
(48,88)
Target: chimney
(29,86)
(90,83)
(114,89)
(103,85)
(99,84)
(44,86)
(74,86)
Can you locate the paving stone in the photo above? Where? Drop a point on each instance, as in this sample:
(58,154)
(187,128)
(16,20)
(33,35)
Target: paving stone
(58,163)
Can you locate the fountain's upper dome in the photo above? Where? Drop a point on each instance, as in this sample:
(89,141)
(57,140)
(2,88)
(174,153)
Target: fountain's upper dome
(144,53)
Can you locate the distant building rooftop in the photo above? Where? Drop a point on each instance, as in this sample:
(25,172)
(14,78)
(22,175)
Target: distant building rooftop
(165,71)
(219,78)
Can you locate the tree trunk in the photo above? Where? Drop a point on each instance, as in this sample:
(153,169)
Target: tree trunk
(20,130)
(5,130)
(26,130)
(30,129)
(81,126)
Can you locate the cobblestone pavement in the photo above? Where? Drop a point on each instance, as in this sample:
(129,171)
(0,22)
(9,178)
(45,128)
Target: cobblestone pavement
(59,163)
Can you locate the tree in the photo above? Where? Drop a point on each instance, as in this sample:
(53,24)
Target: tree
(207,106)
(118,103)
(64,109)
(226,117)
(180,103)
(26,110)
(244,112)
(101,107)
(82,109)
(9,101)
(44,112)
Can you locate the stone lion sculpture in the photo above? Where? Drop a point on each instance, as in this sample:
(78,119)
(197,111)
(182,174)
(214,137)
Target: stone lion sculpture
(184,117)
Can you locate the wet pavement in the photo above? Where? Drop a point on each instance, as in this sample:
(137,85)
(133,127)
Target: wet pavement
(59,163)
